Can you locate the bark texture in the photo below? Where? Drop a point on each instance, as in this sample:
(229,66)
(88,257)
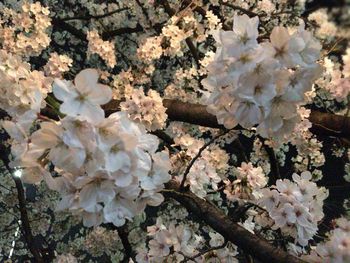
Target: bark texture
(251,244)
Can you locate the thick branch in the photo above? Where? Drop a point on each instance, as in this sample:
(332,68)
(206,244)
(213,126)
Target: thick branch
(121,31)
(323,123)
(191,113)
(215,218)
(330,124)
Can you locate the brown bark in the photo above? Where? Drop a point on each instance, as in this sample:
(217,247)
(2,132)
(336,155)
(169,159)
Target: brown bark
(330,124)
(327,124)
(215,218)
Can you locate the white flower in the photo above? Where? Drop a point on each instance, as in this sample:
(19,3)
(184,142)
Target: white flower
(84,97)
(283,47)
(117,211)
(246,30)
(248,112)
(295,207)
(259,88)
(283,215)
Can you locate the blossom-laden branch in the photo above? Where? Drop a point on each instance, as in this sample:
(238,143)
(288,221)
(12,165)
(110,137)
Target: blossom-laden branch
(188,168)
(215,218)
(324,124)
(28,236)
(275,170)
(200,10)
(204,252)
(243,10)
(171,12)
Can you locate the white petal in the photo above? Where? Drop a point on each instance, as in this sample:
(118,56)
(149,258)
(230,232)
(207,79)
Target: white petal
(100,95)
(86,80)
(117,161)
(88,197)
(63,89)
(122,179)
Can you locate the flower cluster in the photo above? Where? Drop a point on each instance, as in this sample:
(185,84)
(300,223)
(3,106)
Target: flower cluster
(104,49)
(295,207)
(23,33)
(339,82)
(123,84)
(250,180)
(57,65)
(337,248)
(174,36)
(206,172)
(101,240)
(168,43)
(151,49)
(261,84)
(108,168)
(326,29)
(20,88)
(176,238)
(148,110)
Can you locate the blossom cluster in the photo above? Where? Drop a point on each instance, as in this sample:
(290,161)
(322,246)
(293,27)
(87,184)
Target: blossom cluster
(174,242)
(206,172)
(148,110)
(57,65)
(105,49)
(21,89)
(107,169)
(24,32)
(336,248)
(249,181)
(295,207)
(326,29)
(339,80)
(177,238)
(261,84)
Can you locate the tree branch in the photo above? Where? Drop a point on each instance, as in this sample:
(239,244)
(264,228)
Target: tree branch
(62,25)
(325,124)
(194,159)
(215,218)
(123,234)
(28,236)
(236,7)
(88,17)
(275,169)
(203,252)
(171,12)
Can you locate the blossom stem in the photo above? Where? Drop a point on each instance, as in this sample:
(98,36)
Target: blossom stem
(188,168)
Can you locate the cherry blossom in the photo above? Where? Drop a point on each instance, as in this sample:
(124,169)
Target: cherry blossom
(84,97)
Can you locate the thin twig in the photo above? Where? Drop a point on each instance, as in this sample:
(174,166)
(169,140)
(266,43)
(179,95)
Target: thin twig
(194,159)
(236,7)
(123,234)
(94,16)
(275,171)
(203,252)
